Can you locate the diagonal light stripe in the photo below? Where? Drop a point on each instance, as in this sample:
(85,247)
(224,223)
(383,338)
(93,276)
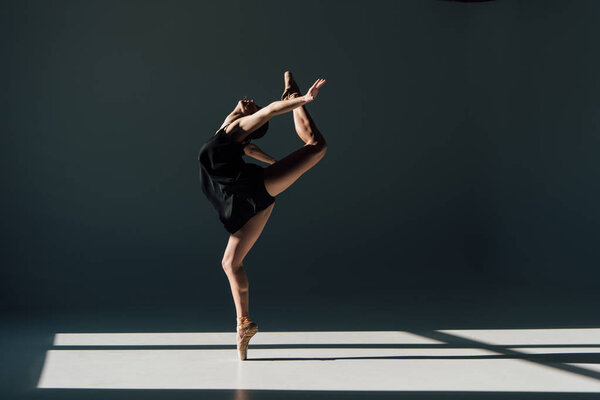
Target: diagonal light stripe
(579,336)
(556,350)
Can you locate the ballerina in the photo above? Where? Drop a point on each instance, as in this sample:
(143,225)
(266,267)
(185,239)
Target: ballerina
(244,193)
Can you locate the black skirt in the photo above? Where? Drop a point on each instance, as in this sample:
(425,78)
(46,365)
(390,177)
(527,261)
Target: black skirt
(236,189)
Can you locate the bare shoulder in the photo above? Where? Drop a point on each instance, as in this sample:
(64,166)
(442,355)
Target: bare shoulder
(242,126)
(230,123)
(234,129)
(231,127)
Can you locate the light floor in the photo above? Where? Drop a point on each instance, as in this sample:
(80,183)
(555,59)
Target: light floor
(499,360)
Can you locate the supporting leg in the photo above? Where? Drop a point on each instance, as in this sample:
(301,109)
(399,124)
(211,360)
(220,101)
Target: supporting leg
(238,282)
(238,246)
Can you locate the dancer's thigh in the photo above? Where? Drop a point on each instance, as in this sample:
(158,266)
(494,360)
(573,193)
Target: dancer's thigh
(281,174)
(241,241)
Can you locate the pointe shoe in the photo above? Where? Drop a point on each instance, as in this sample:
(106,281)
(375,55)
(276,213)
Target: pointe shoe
(291,86)
(246,329)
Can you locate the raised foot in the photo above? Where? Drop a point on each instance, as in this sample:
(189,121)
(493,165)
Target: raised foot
(291,87)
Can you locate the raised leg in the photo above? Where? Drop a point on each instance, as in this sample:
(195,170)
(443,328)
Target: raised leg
(304,124)
(281,174)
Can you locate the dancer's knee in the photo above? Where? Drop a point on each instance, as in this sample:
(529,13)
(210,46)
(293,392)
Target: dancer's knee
(318,143)
(230,267)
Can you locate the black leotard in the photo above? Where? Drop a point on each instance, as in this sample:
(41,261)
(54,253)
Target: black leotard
(235,188)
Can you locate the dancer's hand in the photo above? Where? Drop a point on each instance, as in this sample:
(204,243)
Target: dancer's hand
(314,90)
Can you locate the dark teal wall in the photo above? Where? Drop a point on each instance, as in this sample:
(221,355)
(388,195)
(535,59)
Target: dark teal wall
(463,147)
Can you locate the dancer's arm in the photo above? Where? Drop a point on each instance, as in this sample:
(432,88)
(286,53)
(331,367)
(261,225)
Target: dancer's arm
(250,123)
(256,152)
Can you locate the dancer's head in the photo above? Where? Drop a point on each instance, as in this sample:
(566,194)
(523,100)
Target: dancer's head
(248,107)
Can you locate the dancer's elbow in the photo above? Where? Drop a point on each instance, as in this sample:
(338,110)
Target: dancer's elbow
(270,110)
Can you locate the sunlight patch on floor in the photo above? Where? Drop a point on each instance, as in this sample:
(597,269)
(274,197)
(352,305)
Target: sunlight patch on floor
(228,338)
(429,365)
